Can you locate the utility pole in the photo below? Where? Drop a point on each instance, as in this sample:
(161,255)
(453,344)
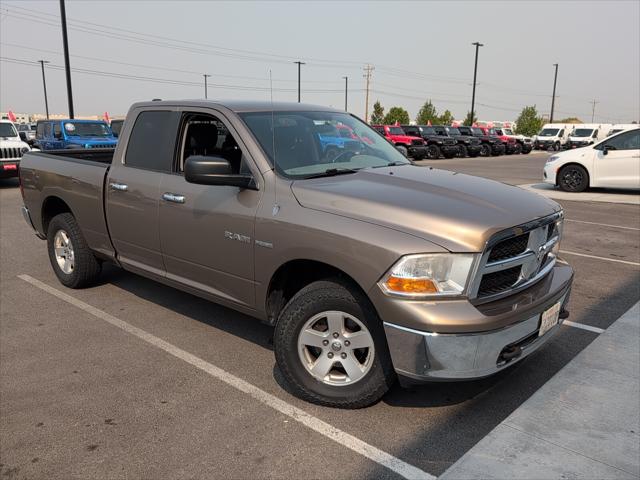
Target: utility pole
(475,73)
(593,109)
(65,45)
(553,97)
(205,84)
(346,90)
(299,64)
(44,84)
(368,69)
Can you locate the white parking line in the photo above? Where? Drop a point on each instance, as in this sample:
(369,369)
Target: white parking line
(400,467)
(601,224)
(600,258)
(583,326)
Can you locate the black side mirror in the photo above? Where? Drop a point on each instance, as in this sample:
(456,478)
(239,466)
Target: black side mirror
(214,170)
(606,148)
(23,136)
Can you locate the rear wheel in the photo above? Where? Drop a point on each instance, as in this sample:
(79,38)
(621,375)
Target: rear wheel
(71,258)
(462,151)
(573,178)
(433,152)
(485,150)
(331,348)
(518,149)
(556,147)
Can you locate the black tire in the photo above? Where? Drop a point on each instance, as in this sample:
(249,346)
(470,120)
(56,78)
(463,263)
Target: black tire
(86,267)
(462,151)
(573,178)
(403,150)
(316,298)
(485,150)
(518,149)
(433,152)
(556,147)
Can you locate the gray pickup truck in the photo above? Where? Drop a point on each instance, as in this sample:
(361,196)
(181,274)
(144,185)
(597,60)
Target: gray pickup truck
(370,268)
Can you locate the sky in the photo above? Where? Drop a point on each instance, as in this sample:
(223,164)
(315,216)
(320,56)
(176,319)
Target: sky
(127,51)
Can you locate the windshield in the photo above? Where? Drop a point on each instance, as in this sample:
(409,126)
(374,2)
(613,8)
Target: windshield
(492,131)
(428,131)
(477,131)
(7,130)
(116,126)
(507,131)
(87,129)
(453,131)
(23,128)
(549,132)
(582,132)
(305,144)
(396,131)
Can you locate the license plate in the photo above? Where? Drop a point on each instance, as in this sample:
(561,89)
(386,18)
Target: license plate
(10,167)
(549,318)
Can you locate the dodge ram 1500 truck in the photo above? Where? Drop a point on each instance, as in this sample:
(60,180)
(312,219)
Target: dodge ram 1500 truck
(369,268)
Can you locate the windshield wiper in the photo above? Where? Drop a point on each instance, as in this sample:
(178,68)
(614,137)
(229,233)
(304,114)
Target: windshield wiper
(332,172)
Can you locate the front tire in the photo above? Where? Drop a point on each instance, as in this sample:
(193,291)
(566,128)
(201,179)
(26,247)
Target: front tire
(330,347)
(71,258)
(433,152)
(518,150)
(485,150)
(573,178)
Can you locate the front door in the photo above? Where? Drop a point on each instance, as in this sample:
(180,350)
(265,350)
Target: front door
(620,167)
(207,231)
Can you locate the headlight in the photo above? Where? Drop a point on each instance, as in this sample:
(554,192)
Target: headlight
(439,142)
(87,145)
(553,158)
(24,150)
(429,275)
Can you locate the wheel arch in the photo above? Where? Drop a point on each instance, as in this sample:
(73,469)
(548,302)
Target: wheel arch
(52,206)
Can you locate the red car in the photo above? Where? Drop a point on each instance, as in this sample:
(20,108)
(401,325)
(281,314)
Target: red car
(414,147)
(510,143)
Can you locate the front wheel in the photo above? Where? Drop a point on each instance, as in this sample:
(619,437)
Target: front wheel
(573,178)
(462,151)
(485,150)
(556,147)
(433,152)
(331,348)
(518,149)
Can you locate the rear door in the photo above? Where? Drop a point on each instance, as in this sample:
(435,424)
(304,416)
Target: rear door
(620,167)
(133,188)
(207,231)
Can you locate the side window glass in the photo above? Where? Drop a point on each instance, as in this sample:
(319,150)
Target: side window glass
(625,141)
(57,130)
(152,141)
(595,134)
(47,130)
(40,130)
(207,135)
(561,134)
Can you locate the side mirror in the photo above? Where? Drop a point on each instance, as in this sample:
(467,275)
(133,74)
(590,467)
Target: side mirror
(214,170)
(606,148)
(23,136)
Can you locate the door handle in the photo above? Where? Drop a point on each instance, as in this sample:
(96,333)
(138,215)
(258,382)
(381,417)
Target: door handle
(121,187)
(172,197)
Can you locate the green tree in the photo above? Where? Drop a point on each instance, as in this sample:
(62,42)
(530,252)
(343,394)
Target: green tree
(529,122)
(427,113)
(570,120)
(446,118)
(468,121)
(396,114)
(377,116)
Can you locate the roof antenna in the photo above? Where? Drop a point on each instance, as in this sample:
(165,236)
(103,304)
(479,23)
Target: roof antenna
(276,207)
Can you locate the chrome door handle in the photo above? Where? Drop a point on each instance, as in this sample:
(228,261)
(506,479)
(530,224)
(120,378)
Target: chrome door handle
(172,197)
(121,187)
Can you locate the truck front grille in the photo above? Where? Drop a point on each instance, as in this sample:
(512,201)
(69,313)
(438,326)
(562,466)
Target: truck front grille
(516,258)
(103,145)
(417,142)
(11,153)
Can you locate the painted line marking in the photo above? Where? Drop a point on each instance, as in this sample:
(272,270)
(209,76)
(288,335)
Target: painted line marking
(583,326)
(600,258)
(602,224)
(385,459)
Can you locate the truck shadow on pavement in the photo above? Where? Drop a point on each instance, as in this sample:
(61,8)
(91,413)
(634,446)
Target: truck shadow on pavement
(6,183)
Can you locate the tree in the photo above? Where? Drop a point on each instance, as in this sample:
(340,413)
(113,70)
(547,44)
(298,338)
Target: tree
(571,120)
(427,113)
(529,122)
(396,114)
(446,118)
(377,116)
(468,121)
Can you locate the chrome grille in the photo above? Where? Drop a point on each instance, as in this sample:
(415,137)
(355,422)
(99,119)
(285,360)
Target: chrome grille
(515,259)
(11,152)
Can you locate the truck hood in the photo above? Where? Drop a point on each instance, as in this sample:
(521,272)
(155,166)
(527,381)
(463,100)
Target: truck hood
(456,211)
(12,142)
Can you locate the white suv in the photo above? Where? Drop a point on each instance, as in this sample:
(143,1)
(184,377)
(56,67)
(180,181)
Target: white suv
(11,149)
(613,162)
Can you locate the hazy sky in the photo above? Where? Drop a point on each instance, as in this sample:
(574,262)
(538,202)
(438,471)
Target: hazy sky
(420,50)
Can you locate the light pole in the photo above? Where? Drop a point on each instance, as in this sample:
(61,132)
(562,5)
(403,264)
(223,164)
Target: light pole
(553,97)
(205,84)
(346,92)
(65,45)
(44,85)
(475,73)
(299,64)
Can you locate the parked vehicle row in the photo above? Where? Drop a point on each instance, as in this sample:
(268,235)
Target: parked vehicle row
(565,136)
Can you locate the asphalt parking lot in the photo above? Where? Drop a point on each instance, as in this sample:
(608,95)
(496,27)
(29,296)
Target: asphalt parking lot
(82,398)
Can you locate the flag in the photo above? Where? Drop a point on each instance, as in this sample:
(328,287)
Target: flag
(12,116)
(428,123)
(106,117)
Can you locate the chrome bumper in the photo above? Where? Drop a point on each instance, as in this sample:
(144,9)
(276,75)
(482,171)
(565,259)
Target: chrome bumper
(425,356)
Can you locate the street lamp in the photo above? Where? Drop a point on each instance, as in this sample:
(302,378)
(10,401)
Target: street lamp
(346,90)
(553,97)
(44,85)
(205,84)
(475,72)
(299,64)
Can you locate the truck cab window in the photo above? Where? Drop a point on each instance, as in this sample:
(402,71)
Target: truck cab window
(57,130)
(152,141)
(207,135)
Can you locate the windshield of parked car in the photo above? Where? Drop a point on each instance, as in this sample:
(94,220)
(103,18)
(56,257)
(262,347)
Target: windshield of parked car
(453,131)
(507,131)
(23,128)
(428,131)
(477,131)
(549,132)
(305,144)
(87,129)
(7,130)
(492,131)
(396,131)
(582,132)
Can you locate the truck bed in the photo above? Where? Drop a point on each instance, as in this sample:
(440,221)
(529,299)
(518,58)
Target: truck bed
(75,177)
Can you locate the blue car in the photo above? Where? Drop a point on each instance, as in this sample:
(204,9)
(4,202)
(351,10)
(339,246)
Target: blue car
(334,142)
(63,134)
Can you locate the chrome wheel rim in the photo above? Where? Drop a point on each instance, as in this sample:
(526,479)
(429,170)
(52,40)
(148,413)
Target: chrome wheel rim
(336,348)
(572,179)
(64,251)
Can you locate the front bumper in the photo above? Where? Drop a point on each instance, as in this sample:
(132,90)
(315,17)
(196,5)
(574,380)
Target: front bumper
(449,150)
(417,151)
(510,148)
(473,149)
(448,352)
(497,149)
